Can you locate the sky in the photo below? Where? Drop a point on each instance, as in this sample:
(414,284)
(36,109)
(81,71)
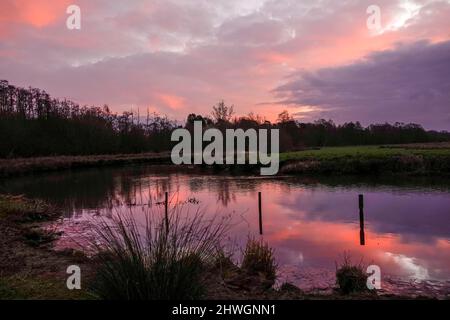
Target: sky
(316,59)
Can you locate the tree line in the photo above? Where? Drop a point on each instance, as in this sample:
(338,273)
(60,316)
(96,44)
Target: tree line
(32,123)
(295,135)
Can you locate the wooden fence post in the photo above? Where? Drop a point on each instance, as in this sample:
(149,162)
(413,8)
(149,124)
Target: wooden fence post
(362,239)
(166,205)
(260,213)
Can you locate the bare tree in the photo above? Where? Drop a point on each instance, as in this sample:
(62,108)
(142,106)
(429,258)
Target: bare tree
(284,116)
(222,113)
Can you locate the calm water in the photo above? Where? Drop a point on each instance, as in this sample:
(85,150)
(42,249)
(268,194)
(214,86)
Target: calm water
(309,222)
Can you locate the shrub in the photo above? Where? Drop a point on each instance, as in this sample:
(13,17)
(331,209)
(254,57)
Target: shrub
(351,278)
(259,259)
(138,262)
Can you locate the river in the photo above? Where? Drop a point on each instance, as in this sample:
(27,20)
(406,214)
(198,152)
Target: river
(310,222)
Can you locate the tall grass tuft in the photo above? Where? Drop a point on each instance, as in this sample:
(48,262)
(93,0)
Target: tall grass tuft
(259,259)
(148,262)
(351,278)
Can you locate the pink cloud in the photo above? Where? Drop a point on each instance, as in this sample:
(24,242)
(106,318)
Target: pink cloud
(172,101)
(130,53)
(37,13)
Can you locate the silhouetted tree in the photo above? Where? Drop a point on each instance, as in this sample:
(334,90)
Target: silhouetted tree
(34,124)
(38,125)
(222,113)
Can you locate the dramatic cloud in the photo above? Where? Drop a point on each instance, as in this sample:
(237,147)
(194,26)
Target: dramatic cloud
(182,56)
(410,84)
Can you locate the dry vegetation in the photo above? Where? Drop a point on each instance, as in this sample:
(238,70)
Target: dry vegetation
(10,167)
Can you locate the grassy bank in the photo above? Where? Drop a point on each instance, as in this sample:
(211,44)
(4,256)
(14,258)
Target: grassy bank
(29,269)
(406,159)
(185,262)
(412,159)
(9,167)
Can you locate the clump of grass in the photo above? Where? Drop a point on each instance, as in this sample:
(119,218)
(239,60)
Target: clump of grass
(153,262)
(259,259)
(351,278)
(224,260)
(224,264)
(21,209)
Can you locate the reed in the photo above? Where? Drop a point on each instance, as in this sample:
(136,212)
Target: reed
(141,261)
(259,259)
(350,277)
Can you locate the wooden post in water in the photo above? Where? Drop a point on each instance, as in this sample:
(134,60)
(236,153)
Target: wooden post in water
(260,213)
(362,239)
(166,205)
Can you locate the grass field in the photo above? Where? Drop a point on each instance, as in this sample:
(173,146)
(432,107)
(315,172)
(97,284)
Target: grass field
(411,159)
(364,152)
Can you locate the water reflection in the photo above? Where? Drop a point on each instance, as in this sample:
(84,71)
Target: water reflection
(362,237)
(310,222)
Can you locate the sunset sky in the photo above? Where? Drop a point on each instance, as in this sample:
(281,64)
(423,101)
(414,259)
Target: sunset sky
(316,59)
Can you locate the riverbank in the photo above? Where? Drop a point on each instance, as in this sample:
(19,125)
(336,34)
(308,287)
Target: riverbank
(423,159)
(30,268)
(413,159)
(18,166)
